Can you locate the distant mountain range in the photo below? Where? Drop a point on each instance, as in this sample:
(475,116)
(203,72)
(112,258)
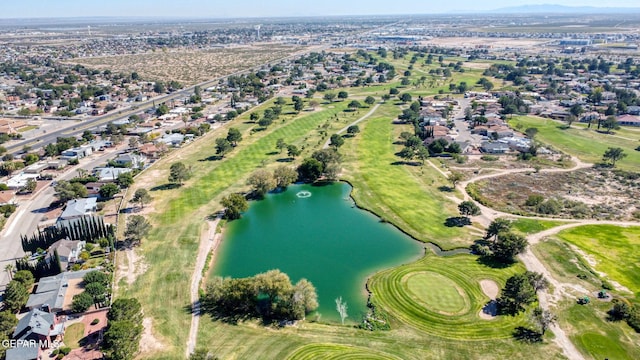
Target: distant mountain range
(561,9)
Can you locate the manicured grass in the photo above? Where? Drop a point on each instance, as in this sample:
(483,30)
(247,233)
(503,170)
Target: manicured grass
(597,337)
(171,246)
(588,145)
(615,249)
(405,195)
(73,334)
(437,292)
(334,351)
(389,289)
(532,226)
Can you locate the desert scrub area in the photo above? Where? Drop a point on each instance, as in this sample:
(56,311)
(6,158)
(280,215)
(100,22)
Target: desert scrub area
(587,193)
(189,66)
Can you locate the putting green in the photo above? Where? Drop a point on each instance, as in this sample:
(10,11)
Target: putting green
(414,301)
(335,351)
(438,293)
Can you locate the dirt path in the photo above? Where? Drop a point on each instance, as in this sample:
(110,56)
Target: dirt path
(209,241)
(529,259)
(373,109)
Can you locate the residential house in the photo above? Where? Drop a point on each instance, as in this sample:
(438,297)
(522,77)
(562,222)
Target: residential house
(174,140)
(629,120)
(76,153)
(68,252)
(130,160)
(152,151)
(78,208)
(633,110)
(56,292)
(494,147)
(109,174)
(57,164)
(19,181)
(38,326)
(36,168)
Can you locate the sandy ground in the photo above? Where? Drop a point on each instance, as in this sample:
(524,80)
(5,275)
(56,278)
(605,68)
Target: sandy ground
(148,342)
(491,289)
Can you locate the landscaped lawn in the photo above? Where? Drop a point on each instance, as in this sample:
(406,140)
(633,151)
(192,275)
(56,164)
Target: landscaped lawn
(615,249)
(405,195)
(393,293)
(73,334)
(587,145)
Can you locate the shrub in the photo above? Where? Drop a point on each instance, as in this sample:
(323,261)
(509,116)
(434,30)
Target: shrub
(549,207)
(534,200)
(489,158)
(95,321)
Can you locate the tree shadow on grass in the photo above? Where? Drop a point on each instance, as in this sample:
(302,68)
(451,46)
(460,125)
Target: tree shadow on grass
(457,221)
(524,334)
(285,160)
(494,263)
(409,163)
(273,153)
(212,158)
(445,188)
(169,186)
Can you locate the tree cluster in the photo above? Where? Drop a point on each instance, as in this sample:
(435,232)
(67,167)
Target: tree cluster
(268,296)
(17,291)
(325,162)
(122,338)
(264,181)
(520,291)
(503,245)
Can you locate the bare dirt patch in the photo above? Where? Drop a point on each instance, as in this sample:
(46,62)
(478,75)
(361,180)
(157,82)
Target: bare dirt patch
(580,194)
(190,66)
(148,342)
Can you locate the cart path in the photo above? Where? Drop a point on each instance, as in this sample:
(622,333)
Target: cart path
(366,116)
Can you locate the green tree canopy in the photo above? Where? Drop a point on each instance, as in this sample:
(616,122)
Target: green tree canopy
(235,204)
(178,173)
(137,228)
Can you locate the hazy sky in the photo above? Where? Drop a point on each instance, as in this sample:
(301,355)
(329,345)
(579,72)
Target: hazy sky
(264,8)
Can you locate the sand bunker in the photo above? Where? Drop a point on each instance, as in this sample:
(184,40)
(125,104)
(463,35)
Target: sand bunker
(491,289)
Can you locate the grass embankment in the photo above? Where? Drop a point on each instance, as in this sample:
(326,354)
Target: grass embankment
(587,325)
(404,195)
(172,245)
(587,145)
(616,251)
(394,292)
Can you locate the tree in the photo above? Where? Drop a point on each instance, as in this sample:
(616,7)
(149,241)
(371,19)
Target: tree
(133,142)
(122,339)
(468,208)
(310,170)
(298,106)
(516,294)
(81,302)
(326,156)
(610,123)
(354,104)
(137,228)
(262,182)
(341,307)
(454,178)
(543,318)
(353,129)
(107,191)
(496,227)
(125,309)
(508,245)
(281,145)
(613,155)
(162,110)
(537,280)
(234,136)
(284,175)
(202,354)
(66,191)
(531,132)
(141,196)
(576,110)
(234,204)
(96,276)
(336,141)
(254,116)
(293,151)
(30,159)
(8,322)
(343,95)
(15,296)
(329,96)
(178,173)
(265,122)
(405,98)
(96,290)
(223,146)
(30,186)
(125,179)
(25,277)
(370,100)
(305,293)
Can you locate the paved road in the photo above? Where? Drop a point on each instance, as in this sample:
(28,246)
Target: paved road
(29,213)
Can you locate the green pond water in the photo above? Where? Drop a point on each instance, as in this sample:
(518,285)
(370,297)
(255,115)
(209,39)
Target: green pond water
(322,237)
